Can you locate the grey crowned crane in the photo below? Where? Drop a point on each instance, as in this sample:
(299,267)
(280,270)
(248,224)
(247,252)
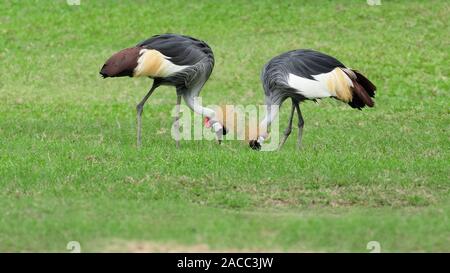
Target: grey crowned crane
(308,75)
(169,59)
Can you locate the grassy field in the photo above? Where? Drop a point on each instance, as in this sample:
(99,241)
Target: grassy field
(70,169)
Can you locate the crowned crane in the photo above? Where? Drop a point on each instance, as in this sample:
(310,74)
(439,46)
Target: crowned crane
(308,75)
(169,59)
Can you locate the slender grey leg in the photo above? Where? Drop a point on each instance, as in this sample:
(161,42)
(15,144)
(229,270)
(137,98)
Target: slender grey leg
(139,109)
(288,130)
(176,121)
(301,122)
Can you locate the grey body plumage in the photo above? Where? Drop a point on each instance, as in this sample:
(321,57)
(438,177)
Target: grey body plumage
(170,59)
(309,75)
(184,51)
(303,63)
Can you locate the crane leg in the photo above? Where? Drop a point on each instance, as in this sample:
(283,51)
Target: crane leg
(176,121)
(288,130)
(139,109)
(301,122)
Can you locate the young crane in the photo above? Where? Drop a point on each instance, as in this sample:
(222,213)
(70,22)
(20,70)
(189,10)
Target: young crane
(170,59)
(308,75)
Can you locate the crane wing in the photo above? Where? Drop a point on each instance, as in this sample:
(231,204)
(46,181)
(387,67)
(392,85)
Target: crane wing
(306,63)
(180,50)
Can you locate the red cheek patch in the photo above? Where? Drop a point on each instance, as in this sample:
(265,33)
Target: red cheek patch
(206,121)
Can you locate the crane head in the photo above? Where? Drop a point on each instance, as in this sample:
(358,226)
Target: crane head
(223,130)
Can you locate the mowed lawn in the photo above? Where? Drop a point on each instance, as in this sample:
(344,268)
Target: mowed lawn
(70,169)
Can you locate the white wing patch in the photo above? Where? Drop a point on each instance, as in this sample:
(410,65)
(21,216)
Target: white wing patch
(170,68)
(332,84)
(310,89)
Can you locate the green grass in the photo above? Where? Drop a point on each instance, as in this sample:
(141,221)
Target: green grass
(69,168)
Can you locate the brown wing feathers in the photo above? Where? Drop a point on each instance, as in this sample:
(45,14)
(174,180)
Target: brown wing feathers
(368,85)
(362,94)
(363,90)
(121,63)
